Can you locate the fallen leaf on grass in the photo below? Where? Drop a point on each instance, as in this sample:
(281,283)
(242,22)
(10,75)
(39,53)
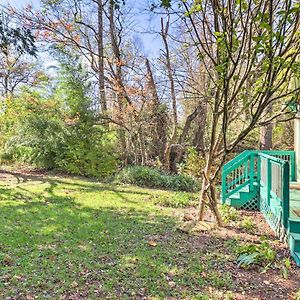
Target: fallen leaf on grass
(203,274)
(52,257)
(152,243)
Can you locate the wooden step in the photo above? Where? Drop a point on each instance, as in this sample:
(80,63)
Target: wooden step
(295,240)
(294,245)
(296,236)
(294,224)
(241,196)
(239,199)
(296,257)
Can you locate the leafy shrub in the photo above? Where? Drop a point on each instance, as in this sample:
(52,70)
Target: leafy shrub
(48,143)
(247,224)
(285,268)
(177,200)
(58,131)
(228,213)
(261,255)
(90,152)
(193,163)
(36,138)
(153,178)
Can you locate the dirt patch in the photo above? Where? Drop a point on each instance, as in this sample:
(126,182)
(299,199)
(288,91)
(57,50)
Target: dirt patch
(252,283)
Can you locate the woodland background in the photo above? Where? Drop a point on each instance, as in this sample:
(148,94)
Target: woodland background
(107,108)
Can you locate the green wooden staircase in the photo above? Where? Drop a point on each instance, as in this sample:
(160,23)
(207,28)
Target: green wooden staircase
(260,180)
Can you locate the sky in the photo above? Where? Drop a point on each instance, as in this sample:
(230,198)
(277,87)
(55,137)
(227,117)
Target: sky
(152,43)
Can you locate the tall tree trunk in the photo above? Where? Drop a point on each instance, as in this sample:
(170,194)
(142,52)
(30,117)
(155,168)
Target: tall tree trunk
(176,152)
(266,132)
(266,142)
(160,131)
(101,78)
(164,34)
(198,141)
(120,90)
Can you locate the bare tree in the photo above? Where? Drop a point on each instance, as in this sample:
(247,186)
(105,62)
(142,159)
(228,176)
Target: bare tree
(77,25)
(234,40)
(15,47)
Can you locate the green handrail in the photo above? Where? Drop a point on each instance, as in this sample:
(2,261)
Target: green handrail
(244,169)
(236,159)
(277,153)
(243,163)
(266,188)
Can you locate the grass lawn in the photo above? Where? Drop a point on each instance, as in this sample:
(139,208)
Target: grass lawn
(70,238)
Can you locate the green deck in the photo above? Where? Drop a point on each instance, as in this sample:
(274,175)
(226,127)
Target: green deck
(265,181)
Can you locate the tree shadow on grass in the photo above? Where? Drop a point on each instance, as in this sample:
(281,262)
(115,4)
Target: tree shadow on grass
(77,185)
(51,246)
(51,241)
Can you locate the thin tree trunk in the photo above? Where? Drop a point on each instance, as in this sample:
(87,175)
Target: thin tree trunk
(142,148)
(202,201)
(208,198)
(208,194)
(101,79)
(120,91)
(214,204)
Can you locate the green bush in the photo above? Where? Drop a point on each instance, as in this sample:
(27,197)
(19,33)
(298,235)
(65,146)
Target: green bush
(80,150)
(255,254)
(247,224)
(37,137)
(88,151)
(153,178)
(193,163)
(57,131)
(228,213)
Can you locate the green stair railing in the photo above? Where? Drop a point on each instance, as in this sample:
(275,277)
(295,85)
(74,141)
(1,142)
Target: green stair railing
(237,174)
(236,159)
(261,180)
(244,170)
(274,191)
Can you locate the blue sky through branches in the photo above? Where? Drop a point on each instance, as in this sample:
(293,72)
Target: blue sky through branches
(143,24)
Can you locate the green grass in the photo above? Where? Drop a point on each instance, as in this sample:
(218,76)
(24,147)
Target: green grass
(64,237)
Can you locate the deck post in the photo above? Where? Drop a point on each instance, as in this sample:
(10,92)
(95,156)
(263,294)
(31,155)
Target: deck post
(297,145)
(251,172)
(286,194)
(269,181)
